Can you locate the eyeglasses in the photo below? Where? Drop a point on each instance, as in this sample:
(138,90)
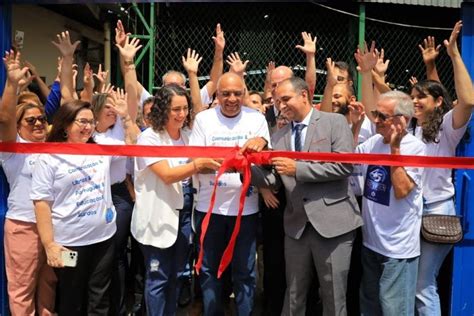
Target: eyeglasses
(227,94)
(83,122)
(383,117)
(179,109)
(32,119)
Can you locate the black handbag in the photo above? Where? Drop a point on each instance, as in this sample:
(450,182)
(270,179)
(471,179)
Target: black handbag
(443,229)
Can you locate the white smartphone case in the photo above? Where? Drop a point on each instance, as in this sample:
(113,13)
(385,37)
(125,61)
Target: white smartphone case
(69,258)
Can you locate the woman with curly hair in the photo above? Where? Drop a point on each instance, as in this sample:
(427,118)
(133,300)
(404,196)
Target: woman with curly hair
(441,127)
(161,220)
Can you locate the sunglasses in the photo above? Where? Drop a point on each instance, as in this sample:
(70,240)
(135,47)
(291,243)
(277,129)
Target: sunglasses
(382,116)
(32,119)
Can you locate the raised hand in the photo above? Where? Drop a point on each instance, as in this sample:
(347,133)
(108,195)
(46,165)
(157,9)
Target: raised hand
(88,77)
(429,50)
(309,46)
(31,67)
(270,67)
(219,40)
(107,89)
(13,66)
(356,112)
(451,44)
(331,76)
(381,66)
(191,62)
(64,44)
(101,75)
(236,64)
(398,130)
(366,58)
(129,49)
(413,81)
(119,99)
(120,34)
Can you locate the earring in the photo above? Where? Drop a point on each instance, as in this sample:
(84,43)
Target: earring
(65,135)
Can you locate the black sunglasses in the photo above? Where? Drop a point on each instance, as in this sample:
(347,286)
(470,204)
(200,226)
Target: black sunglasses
(382,116)
(32,119)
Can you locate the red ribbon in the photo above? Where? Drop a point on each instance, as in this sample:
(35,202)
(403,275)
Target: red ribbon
(219,152)
(233,160)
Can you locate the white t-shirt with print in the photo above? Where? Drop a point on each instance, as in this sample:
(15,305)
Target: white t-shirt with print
(114,136)
(79,188)
(391,226)
(18,169)
(437,182)
(211,128)
(150,138)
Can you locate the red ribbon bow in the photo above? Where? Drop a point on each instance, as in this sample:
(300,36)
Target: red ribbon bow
(239,162)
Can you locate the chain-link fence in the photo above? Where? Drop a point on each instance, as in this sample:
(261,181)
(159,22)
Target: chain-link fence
(263,32)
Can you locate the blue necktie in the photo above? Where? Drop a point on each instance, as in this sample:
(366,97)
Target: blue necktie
(298,128)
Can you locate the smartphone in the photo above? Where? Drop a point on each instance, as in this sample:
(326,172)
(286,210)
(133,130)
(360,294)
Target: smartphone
(69,258)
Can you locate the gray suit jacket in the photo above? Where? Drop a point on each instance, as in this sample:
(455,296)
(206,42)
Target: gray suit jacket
(320,192)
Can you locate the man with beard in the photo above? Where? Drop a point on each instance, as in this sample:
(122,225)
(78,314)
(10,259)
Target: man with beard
(339,97)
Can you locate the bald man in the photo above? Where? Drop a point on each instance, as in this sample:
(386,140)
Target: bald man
(229,124)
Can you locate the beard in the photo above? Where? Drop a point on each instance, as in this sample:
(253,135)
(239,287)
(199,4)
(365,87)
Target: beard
(342,109)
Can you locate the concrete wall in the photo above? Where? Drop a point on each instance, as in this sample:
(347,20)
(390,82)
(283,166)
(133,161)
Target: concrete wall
(40,27)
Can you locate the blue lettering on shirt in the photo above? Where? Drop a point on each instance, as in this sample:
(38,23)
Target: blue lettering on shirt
(378,184)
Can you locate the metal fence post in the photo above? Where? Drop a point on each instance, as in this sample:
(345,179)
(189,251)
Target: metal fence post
(361,42)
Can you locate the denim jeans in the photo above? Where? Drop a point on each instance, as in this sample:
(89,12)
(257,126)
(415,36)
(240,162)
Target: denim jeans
(243,262)
(431,259)
(164,266)
(388,284)
(124,207)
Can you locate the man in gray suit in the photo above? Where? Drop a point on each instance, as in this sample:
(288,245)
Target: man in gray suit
(321,212)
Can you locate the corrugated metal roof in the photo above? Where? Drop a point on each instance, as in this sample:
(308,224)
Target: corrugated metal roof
(434,3)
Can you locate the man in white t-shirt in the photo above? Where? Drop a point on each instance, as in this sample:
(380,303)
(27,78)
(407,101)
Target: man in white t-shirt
(391,208)
(229,124)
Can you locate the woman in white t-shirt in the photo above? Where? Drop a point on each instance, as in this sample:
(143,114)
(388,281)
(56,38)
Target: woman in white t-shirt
(161,220)
(31,282)
(441,127)
(74,212)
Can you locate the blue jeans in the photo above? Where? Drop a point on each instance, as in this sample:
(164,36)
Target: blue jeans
(164,266)
(431,259)
(243,262)
(124,207)
(388,284)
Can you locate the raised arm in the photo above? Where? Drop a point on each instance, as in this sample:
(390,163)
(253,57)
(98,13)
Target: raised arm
(120,106)
(127,54)
(309,48)
(36,77)
(191,64)
(366,60)
(218,61)
(102,76)
(238,67)
(9,100)
(88,91)
(378,73)
(462,81)
(331,81)
(402,183)
(67,49)
(267,88)
(429,52)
